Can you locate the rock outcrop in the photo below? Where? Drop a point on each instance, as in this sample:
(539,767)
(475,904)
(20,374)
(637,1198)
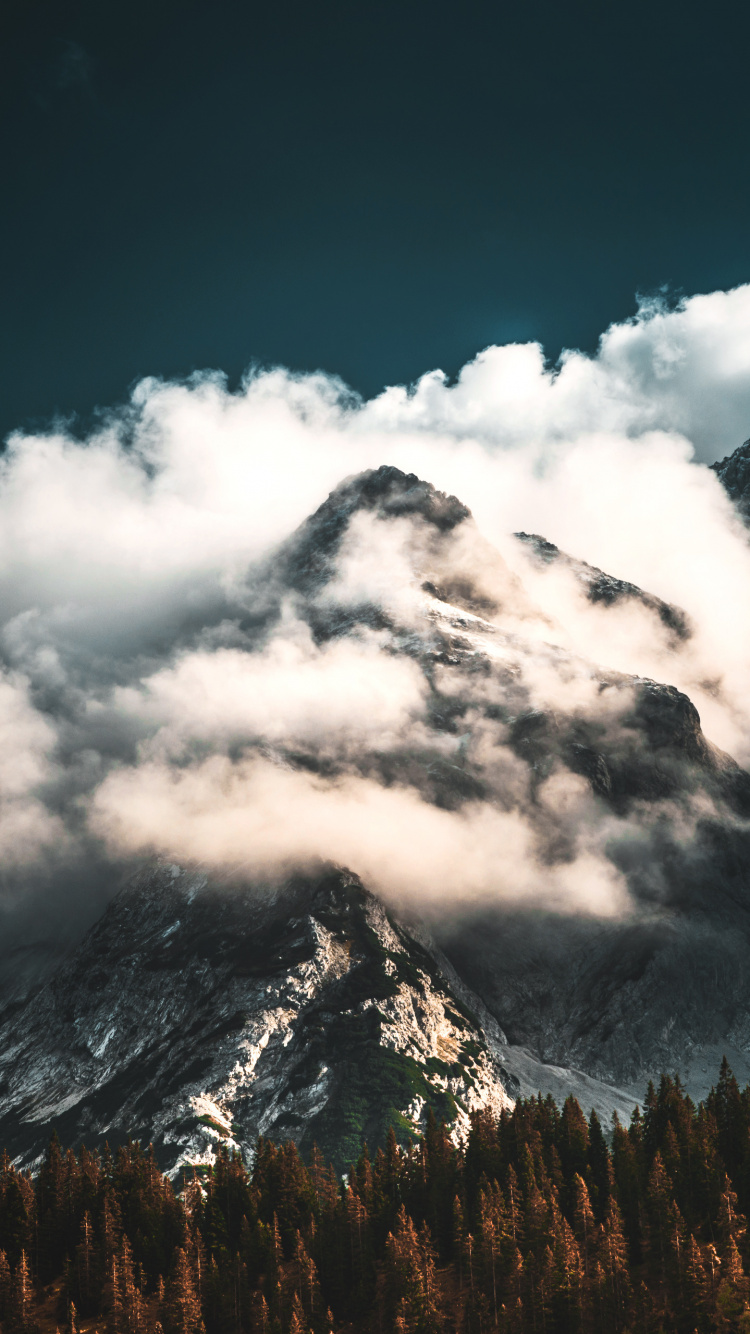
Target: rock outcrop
(734,474)
(199,1012)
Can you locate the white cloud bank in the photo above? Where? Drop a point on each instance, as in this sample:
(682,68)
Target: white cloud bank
(118,553)
(258,816)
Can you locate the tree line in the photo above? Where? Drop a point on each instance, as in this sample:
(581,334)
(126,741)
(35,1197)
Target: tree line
(536,1225)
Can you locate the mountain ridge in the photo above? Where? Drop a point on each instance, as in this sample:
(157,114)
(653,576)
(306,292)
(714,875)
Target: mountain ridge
(197,1012)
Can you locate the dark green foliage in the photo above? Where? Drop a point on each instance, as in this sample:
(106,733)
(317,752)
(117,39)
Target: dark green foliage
(536,1224)
(373,1083)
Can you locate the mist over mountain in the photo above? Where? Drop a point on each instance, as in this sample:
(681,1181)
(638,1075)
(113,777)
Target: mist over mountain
(556,835)
(498,681)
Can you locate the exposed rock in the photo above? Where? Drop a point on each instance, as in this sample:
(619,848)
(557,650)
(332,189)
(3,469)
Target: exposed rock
(605,588)
(622,1001)
(306,560)
(734,474)
(196,1013)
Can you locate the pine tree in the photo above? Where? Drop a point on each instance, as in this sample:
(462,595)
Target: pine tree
(410,1274)
(574,1142)
(108,1230)
(261,1314)
(298,1324)
(50,1195)
(626,1167)
(536,1212)
(307,1277)
(183,1307)
(725,1102)
(392,1169)
(658,1203)
(357,1221)
(568,1293)
(114,1298)
(695,1285)
(5,1288)
(731,1224)
(132,1316)
(320,1180)
(584,1221)
(612,1261)
(514,1210)
(277,1252)
(489,1242)
(599,1168)
(86,1265)
(515,1278)
(17,1216)
(732,1309)
(21,1295)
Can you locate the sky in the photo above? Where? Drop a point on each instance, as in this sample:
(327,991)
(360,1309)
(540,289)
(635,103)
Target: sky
(375,191)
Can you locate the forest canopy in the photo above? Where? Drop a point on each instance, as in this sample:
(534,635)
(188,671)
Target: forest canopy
(539,1222)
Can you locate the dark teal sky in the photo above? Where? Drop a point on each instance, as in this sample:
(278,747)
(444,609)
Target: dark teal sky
(374,189)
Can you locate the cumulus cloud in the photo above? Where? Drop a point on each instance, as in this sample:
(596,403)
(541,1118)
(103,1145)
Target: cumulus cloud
(683,370)
(167,684)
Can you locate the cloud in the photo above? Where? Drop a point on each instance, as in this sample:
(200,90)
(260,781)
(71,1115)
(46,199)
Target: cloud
(28,830)
(350,692)
(166,684)
(683,370)
(265,819)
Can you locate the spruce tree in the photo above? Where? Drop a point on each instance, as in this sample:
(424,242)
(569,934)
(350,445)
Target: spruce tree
(21,1296)
(183,1307)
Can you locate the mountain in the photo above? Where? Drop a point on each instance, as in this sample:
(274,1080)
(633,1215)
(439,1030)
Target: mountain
(209,1007)
(734,474)
(601,587)
(198,1012)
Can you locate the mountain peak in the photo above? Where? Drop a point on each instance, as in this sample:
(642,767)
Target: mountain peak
(392,492)
(386,492)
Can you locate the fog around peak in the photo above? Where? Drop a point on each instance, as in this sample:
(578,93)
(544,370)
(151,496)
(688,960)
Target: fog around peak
(171,684)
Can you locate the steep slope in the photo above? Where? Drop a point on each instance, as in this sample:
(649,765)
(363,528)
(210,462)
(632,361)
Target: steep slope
(200,1012)
(614,1001)
(605,588)
(734,474)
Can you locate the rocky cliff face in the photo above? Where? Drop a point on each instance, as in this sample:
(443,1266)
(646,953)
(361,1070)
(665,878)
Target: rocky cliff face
(197,1013)
(734,474)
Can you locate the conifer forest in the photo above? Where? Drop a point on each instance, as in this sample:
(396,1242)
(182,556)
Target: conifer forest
(538,1224)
